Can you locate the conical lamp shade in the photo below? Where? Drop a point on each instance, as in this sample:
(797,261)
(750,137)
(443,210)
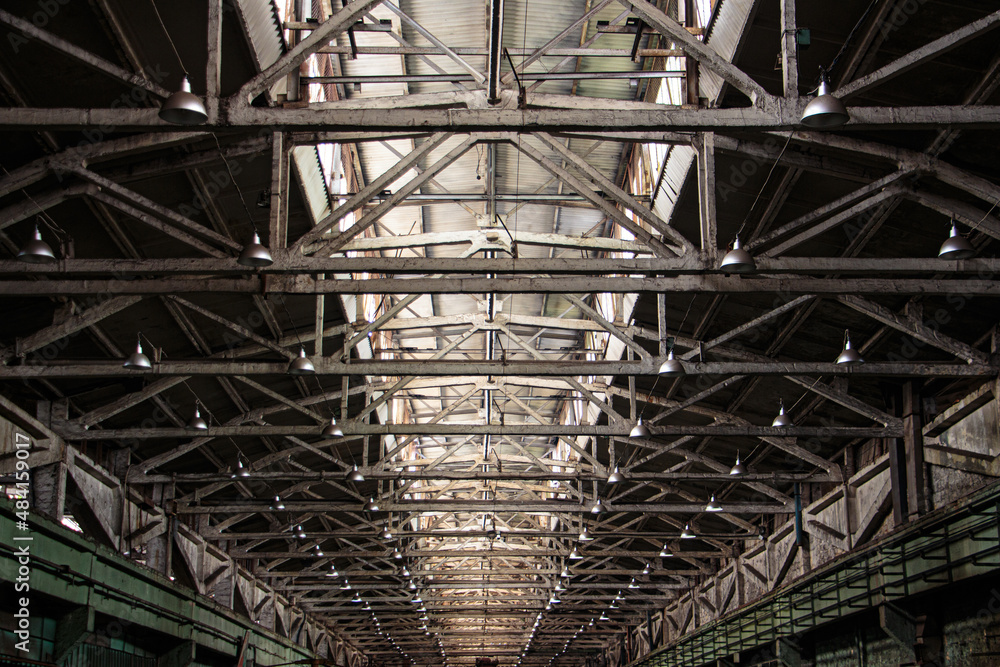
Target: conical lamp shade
(371,505)
(782,420)
(738,260)
(355,475)
(332,430)
(197,423)
(686,534)
(955,247)
(598,508)
(36,251)
(585,535)
(713,506)
(738,469)
(665,552)
(184,107)
(638,431)
(849,355)
(138,361)
(671,367)
(825,112)
(575,555)
(255,255)
(616,477)
(301,365)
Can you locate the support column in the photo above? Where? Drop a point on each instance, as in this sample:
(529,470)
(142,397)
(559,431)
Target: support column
(48,489)
(913,441)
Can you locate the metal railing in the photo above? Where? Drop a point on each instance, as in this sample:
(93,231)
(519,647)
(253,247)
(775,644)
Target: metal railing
(946,546)
(93,655)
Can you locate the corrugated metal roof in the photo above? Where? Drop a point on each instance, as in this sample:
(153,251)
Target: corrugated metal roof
(263,27)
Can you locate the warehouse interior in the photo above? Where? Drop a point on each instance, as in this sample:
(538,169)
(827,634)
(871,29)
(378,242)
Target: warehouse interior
(499,333)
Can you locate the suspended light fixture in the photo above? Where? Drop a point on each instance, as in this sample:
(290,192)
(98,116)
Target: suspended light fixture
(386,534)
(319,551)
(575,554)
(242,472)
(277,504)
(738,260)
(686,534)
(713,506)
(332,430)
(565,573)
(619,597)
(184,107)
(371,505)
(665,551)
(346,586)
(956,246)
(648,569)
(405,572)
(333,571)
(355,475)
(671,367)
(604,617)
(849,356)
(638,431)
(197,423)
(357,598)
(137,361)
(782,420)
(825,112)
(598,508)
(585,535)
(738,469)
(398,555)
(616,477)
(632,584)
(300,532)
(559,588)
(301,365)
(36,251)
(416,599)
(255,255)
(411,586)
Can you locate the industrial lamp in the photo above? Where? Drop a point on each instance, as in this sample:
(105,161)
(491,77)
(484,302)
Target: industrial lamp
(849,356)
(782,420)
(825,112)
(638,431)
(738,469)
(36,251)
(713,506)
(738,260)
(197,423)
(956,246)
(137,361)
(355,475)
(301,365)
(671,367)
(332,430)
(184,107)
(616,477)
(254,254)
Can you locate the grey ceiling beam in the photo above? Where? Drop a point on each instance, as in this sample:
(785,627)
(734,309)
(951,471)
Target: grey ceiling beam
(473,368)
(704,284)
(916,57)
(689,264)
(354,428)
(509,120)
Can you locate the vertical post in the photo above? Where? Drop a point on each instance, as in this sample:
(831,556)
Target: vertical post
(213,65)
(913,441)
(789,50)
(661,321)
(279,192)
(496,46)
(706,195)
(320,318)
(690,64)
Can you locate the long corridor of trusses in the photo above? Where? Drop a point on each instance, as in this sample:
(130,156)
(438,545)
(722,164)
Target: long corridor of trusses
(487,267)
